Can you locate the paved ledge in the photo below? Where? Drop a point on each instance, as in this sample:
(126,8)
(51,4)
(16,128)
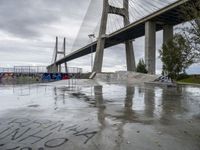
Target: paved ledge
(125,77)
(161,84)
(192,84)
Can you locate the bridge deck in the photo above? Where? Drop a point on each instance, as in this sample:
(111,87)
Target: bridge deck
(170,14)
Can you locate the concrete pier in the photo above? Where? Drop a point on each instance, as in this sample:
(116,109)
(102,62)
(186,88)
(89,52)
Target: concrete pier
(130,56)
(150,46)
(59,68)
(54,69)
(98,62)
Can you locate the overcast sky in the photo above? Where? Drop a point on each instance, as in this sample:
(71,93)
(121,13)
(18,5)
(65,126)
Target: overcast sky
(28,29)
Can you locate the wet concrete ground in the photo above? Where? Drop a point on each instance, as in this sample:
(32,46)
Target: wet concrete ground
(91,116)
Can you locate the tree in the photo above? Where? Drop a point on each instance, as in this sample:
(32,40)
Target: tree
(177,56)
(191,32)
(141,67)
(184,49)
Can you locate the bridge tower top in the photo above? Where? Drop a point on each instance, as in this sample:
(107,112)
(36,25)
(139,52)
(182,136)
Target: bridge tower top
(109,9)
(124,12)
(60,52)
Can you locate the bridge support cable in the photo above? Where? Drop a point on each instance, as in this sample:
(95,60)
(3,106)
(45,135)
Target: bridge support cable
(137,10)
(141,8)
(126,9)
(131,14)
(116,21)
(116,12)
(88,25)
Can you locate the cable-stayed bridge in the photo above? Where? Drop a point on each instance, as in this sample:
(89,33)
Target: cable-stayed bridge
(122,21)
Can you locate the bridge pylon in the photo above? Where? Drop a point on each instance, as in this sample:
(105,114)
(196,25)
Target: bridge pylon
(58,68)
(124,12)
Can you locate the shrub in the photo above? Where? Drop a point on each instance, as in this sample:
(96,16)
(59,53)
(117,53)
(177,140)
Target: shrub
(141,67)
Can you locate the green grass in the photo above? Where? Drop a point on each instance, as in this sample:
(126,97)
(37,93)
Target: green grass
(191,79)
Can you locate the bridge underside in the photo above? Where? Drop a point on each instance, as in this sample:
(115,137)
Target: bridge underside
(170,15)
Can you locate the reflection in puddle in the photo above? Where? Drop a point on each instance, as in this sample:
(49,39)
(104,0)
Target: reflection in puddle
(135,103)
(132,103)
(110,115)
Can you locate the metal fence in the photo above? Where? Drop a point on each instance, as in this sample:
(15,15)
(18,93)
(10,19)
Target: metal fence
(30,69)
(74,70)
(36,69)
(3,70)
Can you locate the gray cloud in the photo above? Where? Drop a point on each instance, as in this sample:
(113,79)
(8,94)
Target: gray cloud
(28,29)
(23,18)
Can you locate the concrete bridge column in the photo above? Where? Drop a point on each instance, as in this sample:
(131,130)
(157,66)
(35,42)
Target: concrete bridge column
(55,69)
(167,33)
(130,56)
(51,69)
(59,68)
(150,46)
(98,62)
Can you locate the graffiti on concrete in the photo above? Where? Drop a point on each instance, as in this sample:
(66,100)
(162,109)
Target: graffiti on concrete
(23,134)
(37,77)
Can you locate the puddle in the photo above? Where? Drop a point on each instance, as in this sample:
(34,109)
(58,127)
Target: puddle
(98,117)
